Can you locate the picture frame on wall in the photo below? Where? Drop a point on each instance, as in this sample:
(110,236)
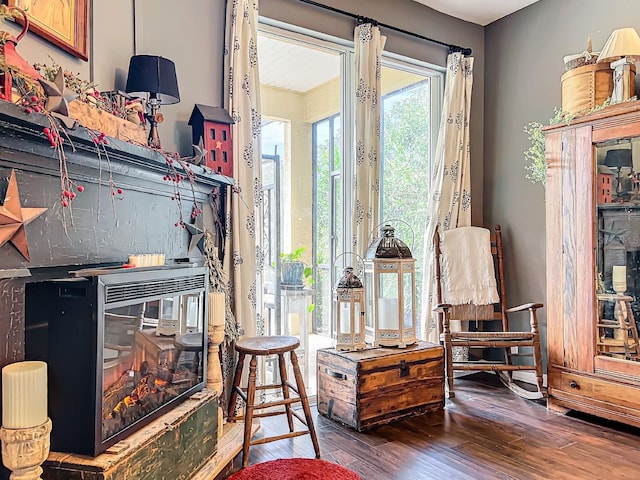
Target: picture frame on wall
(65,23)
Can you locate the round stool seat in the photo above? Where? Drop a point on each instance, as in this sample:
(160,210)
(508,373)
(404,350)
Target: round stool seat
(267,345)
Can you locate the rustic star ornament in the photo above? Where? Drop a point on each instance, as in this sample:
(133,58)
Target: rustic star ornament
(13,218)
(219,145)
(196,230)
(58,97)
(200,153)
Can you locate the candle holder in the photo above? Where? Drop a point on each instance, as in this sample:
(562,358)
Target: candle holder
(25,449)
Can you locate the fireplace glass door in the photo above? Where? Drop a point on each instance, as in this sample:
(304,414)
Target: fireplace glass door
(618,249)
(152,354)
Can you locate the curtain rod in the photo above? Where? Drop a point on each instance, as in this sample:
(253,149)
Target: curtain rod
(360,19)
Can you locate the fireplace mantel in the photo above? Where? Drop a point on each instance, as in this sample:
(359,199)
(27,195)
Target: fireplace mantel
(105,229)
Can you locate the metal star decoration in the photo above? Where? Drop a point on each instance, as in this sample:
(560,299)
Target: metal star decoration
(13,218)
(58,97)
(196,230)
(200,153)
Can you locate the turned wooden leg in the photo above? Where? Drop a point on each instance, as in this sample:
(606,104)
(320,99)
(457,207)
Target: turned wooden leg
(248,412)
(236,385)
(305,402)
(285,389)
(448,352)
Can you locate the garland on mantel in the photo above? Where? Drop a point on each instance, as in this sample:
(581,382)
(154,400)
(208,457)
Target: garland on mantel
(35,100)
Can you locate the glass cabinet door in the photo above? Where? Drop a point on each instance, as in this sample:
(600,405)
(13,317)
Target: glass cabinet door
(618,249)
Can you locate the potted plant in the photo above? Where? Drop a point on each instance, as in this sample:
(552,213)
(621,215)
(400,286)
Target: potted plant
(293,272)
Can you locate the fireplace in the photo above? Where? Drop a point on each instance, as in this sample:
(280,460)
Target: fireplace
(122,347)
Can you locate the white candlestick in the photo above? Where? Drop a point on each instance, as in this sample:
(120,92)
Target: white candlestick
(619,278)
(357,314)
(24,395)
(388,314)
(345,317)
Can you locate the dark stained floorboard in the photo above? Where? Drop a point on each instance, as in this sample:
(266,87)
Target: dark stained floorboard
(485,432)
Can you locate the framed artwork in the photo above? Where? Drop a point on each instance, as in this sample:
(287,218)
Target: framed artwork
(64,23)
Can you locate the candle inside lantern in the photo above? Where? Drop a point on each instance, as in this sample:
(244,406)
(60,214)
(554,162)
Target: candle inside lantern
(345,317)
(357,317)
(388,314)
(619,278)
(24,394)
(216,308)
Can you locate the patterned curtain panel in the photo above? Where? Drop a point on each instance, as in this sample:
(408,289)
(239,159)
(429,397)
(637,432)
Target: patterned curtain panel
(366,183)
(450,205)
(246,211)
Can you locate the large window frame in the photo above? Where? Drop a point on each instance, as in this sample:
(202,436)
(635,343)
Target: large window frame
(347,111)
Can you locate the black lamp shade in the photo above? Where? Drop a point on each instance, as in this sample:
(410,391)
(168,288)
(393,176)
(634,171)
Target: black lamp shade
(155,76)
(619,158)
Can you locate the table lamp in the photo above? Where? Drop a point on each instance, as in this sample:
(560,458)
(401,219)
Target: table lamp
(156,77)
(622,50)
(619,159)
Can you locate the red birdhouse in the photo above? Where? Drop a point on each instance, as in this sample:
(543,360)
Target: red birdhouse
(604,187)
(212,126)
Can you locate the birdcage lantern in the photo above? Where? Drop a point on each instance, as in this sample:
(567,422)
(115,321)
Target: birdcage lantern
(390,286)
(349,307)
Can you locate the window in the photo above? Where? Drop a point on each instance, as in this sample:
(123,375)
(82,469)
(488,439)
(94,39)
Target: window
(307,102)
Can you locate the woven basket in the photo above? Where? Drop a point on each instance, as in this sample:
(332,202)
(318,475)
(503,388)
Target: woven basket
(584,88)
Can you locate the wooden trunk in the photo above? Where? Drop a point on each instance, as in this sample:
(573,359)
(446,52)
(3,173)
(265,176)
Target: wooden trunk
(380,385)
(174,446)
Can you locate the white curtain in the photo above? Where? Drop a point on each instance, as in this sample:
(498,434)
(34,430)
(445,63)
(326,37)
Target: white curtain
(366,182)
(450,203)
(247,201)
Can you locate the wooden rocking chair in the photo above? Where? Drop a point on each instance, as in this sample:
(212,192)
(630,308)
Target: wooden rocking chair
(493,331)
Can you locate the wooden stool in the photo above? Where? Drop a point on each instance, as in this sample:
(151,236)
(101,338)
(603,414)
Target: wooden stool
(262,346)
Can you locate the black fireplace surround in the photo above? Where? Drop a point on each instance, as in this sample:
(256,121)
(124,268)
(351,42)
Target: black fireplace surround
(103,232)
(122,346)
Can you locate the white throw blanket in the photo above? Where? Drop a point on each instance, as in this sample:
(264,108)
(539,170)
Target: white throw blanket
(467,272)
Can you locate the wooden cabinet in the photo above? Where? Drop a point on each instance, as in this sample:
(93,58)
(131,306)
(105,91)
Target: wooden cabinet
(593,224)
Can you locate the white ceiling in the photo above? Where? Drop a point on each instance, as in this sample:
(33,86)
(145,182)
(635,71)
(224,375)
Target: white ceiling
(482,12)
(313,67)
(280,60)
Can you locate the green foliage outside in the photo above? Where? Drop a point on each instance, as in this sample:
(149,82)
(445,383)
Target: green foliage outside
(405,182)
(406,170)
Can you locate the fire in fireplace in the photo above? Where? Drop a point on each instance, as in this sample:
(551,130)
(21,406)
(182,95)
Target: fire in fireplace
(122,346)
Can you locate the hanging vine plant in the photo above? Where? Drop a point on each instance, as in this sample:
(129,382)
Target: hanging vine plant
(535,154)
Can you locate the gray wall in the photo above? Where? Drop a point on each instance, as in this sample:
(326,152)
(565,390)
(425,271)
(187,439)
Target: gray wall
(192,37)
(524,64)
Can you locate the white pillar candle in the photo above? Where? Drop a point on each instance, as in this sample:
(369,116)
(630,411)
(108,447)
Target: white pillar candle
(388,314)
(619,278)
(357,317)
(24,394)
(216,308)
(345,317)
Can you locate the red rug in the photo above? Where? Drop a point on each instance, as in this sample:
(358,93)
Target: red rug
(295,469)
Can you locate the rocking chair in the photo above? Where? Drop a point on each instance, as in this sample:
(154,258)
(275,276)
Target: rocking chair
(492,334)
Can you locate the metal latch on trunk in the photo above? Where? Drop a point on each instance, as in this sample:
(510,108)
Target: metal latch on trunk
(404,368)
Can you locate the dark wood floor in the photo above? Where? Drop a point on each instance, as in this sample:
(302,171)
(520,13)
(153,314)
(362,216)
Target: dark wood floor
(486,432)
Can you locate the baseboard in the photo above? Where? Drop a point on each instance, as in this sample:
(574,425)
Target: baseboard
(529,376)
